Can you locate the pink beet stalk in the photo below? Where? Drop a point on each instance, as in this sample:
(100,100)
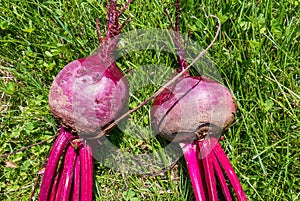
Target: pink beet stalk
(75,196)
(224,161)
(209,170)
(190,154)
(55,184)
(86,169)
(64,186)
(221,178)
(60,144)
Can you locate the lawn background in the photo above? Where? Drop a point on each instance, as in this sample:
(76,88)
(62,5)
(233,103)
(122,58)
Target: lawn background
(257,54)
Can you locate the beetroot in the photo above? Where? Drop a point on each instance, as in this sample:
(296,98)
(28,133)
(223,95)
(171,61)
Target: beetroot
(211,104)
(194,111)
(85,97)
(88,94)
(91,92)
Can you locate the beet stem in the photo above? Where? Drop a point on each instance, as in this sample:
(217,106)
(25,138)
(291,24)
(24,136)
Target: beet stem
(86,162)
(177,39)
(208,169)
(65,181)
(60,144)
(224,161)
(55,184)
(75,196)
(190,155)
(221,178)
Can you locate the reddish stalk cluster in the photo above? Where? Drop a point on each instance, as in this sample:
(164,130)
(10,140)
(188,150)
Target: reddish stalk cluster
(69,171)
(206,172)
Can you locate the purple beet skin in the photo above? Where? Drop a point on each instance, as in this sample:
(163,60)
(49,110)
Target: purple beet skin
(191,104)
(88,94)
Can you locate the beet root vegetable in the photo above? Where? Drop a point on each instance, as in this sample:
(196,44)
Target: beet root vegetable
(183,111)
(193,111)
(85,97)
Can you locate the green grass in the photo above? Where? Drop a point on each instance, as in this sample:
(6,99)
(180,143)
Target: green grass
(257,54)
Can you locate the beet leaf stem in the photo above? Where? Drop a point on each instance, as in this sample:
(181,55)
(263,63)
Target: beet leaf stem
(208,169)
(60,144)
(75,196)
(224,161)
(86,162)
(190,154)
(221,178)
(65,183)
(55,184)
